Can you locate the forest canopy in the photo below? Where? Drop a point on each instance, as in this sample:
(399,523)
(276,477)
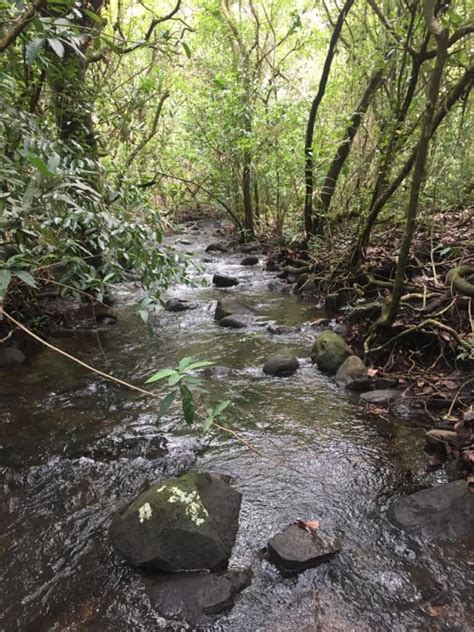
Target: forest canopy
(305,120)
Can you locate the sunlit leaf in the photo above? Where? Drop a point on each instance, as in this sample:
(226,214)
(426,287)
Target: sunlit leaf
(160,375)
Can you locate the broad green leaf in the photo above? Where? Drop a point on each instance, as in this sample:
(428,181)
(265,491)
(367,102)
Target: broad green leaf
(174,379)
(184,363)
(26,277)
(144,315)
(199,365)
(221,406)
(32,50)
(57,46)
(160,375)
(5,278)
(93,16)
(207,423)
(187,404)
(165,404)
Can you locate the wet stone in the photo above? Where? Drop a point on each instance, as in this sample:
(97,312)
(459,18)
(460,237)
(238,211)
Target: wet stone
(187,523)
(351,369)
(295,550)
(280,365)
(230,307)
(222,280)
(179,305)
(251,260)
(231,322)
(11,356)
(445,512)
(250,247)
(329,351)
(195,598)
(216,247)
(381,397)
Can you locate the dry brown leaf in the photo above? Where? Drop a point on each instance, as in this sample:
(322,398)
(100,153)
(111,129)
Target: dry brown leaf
(372,372)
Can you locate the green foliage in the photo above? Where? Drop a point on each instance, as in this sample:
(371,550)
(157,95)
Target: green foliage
(188,385)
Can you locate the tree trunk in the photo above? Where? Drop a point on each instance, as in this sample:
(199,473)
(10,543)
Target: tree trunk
(308,148)
(442,39)
(330,181)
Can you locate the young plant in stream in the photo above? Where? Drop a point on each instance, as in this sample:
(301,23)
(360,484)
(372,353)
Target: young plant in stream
(185,385)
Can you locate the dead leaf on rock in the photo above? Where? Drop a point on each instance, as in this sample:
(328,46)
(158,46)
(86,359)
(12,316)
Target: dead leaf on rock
(308,525)
(372,372)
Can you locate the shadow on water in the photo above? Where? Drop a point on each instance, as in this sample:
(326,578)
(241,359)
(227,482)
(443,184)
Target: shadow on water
(75,447)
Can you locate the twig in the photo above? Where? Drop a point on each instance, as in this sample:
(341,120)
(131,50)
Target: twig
(448,414)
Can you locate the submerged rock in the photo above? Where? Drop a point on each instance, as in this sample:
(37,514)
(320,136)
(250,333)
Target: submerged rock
(181,524)
(351,370)
(381,397)
(231,322)
(442,512)
(194,598)
(11,356)
(281,365)
(251,260)
(230,307)
(329,351)
(179,305)
(295,550)
(216,247)
(222,280)
(279,330)
(250,247)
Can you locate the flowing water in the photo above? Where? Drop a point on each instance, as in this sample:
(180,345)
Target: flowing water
(75,447)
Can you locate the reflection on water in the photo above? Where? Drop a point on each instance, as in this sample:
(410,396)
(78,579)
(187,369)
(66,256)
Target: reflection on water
(74,447)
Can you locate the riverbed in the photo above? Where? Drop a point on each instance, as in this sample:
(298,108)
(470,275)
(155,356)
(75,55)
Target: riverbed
(74,447)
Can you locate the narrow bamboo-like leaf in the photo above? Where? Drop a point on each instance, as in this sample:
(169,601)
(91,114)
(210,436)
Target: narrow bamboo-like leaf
(160,375)
(207,423)
(187,404)
(192,380)
(199,365)
(184,363)
(165,404)
(174,379)
(221,406)
(26,277)
(187,50)
(5,278)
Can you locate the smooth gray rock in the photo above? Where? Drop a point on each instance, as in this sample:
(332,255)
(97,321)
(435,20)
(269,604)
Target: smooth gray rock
(11,356)
(231,322)
(329,351)
(222,280)
(295,550)
(279,330)
(178,305)
(216,247)
(180,524)
(351,369)
(251,260)
(281,365)
(445,512)
(381,397)
(194,598)
(229,307)
(250,247)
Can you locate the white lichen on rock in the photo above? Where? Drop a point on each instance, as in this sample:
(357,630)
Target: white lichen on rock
(194,508)
(145,512)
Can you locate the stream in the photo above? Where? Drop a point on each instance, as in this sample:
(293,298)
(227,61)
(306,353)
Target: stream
(74,447)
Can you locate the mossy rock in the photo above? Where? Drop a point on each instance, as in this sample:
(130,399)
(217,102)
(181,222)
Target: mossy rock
(329,351)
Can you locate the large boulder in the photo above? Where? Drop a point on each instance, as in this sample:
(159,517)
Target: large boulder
(442,512)
(296,549)
(181,524)
(281,365)
(329,351)
(195,597)
(222,280)
(351,370)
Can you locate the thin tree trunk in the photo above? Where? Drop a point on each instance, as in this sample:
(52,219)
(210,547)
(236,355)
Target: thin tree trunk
(342,152)
(308,148)
(442,39)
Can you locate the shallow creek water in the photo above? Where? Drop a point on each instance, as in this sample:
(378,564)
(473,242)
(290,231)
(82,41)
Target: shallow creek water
(74,447)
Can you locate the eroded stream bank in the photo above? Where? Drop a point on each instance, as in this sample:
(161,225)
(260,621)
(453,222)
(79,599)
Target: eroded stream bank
(75,447)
